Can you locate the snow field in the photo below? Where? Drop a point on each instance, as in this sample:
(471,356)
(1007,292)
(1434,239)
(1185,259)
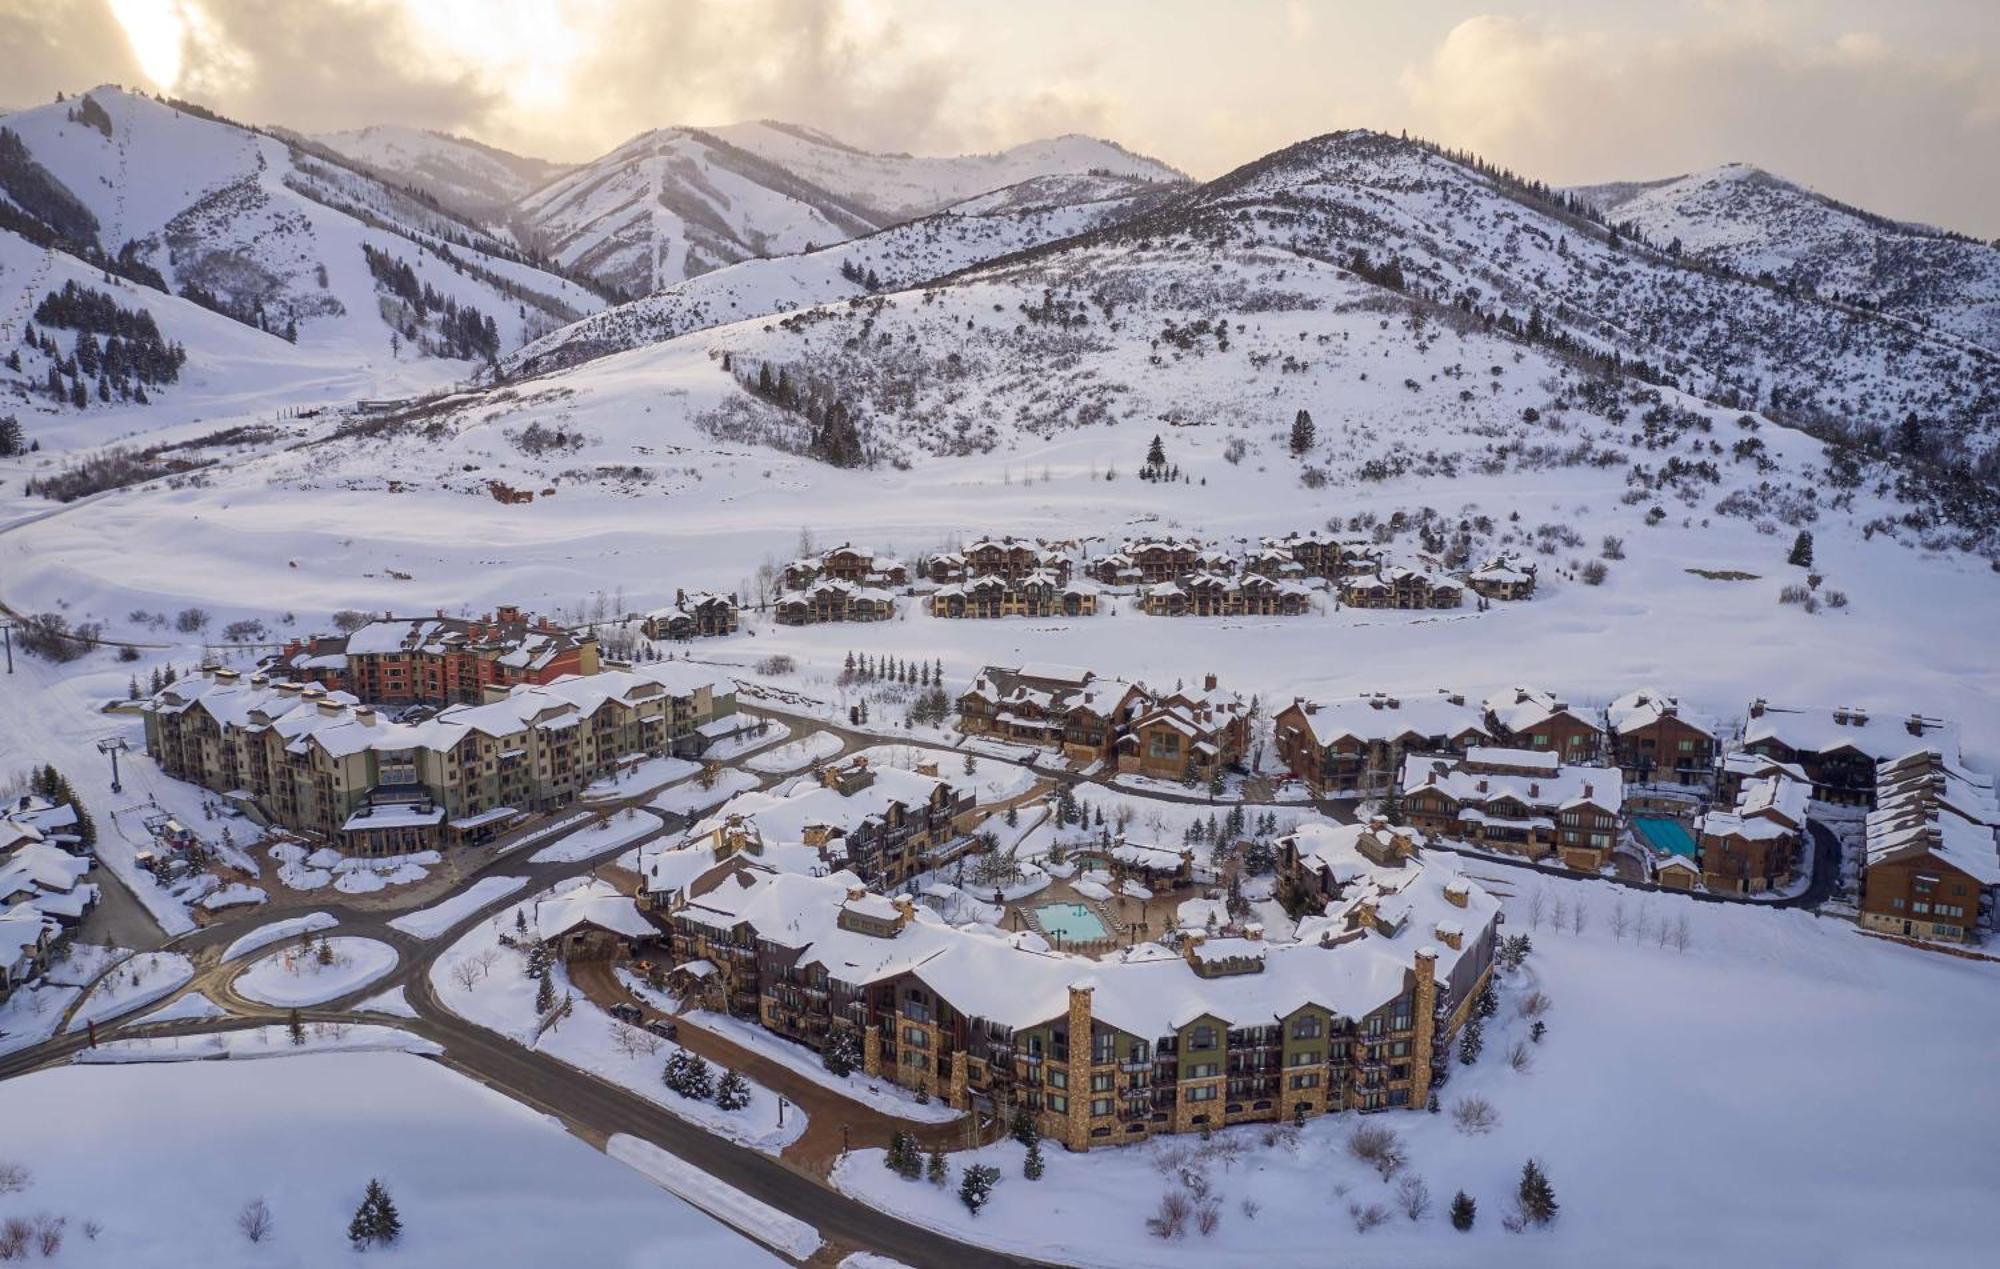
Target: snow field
(615,830)
(135,982)
(477,1179)
(428,923)
(278,931)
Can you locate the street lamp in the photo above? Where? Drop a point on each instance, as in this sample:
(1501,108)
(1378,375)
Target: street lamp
(113,745)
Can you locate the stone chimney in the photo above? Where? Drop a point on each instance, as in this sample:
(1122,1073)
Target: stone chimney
(1254,931)
(1757,708)
(365,715)
(1457,892)
(906,910)
(1452,936)
(1208,682)
(1589,789)
(1482,784)
(1534,788)
(855,893)
(1190,940)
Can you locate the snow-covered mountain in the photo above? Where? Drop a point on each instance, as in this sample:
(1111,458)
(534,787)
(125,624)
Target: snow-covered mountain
(676,203)
(899,186)
(906,255)
(464,174)
(1751,222)
(343,279)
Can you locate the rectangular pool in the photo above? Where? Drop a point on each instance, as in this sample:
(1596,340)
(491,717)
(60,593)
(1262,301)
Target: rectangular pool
(1664,834)
(1072,922)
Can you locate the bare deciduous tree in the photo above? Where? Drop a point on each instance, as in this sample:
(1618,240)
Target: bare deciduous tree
(1533,1005)
(1560,911)
(255,1220)
(1579,917)
(1474,1115)
(1520,1057)
(1621,921)
(1683,935)
(1414,1196)
(1379,1147)
(1538,906)
(1170,1219)
(14,1177)
(1373,1216)
(632,1042)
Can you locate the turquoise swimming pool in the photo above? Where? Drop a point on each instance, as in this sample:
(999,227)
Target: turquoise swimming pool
(1664,834)
(1072,922)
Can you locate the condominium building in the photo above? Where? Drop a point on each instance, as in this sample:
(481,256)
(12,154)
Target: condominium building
(439,660)
(1933,857)
(325,764)
(1520,801)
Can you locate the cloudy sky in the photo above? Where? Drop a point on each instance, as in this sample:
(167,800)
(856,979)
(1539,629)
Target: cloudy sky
(1892,104)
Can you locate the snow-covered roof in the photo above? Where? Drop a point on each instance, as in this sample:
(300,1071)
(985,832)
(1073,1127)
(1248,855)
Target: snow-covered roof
(1640,709)
(1824,730)
(1929,805)
(1537,780)
(595,903)
(1520,709)
(1382,716)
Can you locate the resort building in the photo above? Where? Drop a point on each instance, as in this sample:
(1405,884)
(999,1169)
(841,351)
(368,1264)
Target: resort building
(1010,559)
(701,615)
(1520,801)
(1184,734)
(1524,718)
(1206,594)
(1933,862)
(834,599)
(1754,847)
(439,660)
(1147,562)
(858,566)
(1657,741)
(1505,578)
(323,764)
(1394,586)
(1035,594)
(1357,1012)
(1355,746)
(1839,748)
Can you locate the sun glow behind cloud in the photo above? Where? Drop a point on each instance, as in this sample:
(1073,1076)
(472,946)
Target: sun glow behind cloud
(156,30)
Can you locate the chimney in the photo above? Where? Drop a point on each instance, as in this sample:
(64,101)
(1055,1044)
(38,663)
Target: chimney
(1432,778)
(855,893)
(1254,931)
(365,715)
(1457,892)
(680,596)
(1589,789)
(1456,698)
(1482,784)
(1915,724)
(1840,715)
(1208,682)
(1757,708)
(906,910)
(1860,717)
(1534,788)
(1670,709)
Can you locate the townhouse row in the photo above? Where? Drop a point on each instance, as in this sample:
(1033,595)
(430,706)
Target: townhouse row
(1182,734)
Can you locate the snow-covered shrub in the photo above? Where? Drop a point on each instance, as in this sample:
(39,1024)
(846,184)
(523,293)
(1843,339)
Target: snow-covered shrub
(1474,1116)
(1379,1147)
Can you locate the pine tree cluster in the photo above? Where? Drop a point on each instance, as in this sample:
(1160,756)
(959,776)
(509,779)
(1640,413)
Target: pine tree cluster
(375,1222)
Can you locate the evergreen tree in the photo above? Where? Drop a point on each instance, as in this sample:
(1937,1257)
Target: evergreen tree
(903,1158)
(936,1170)
(1488,1004)
(1537,1196)
(1802,550)
(376,1220)
(1470,1041)
(1022,1128)
(13,441)
(842,1055)
(545,993)
(1156,456)
(538,959)
(296,1029)
(1302,433)
(977,1186)
(520,920)
(1463,1211)
(1031,1163)
(732,1092)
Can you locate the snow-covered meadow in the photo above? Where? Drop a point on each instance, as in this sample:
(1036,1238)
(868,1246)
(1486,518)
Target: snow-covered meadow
(476,1178)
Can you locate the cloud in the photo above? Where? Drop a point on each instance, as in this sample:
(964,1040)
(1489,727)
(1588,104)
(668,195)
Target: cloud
(1854,115)
(51,48)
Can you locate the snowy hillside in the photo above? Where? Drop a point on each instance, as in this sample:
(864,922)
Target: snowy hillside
(906,255)
(899,186)
(676,203)
(280,240)
(1754,223)
(461,173)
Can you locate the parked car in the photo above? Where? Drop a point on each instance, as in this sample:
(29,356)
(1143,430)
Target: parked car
(626,1012)
(661,1027)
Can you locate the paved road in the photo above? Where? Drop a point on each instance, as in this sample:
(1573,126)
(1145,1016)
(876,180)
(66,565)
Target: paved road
(119,919)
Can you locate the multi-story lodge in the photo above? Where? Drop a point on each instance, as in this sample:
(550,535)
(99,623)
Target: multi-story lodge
(1253,594)
(1147,562)
(1357,1012)
(1520,801)
(1356,745)
(1754,847)
(1036,594)
(323,763)
(833,599)
(1397,587)
(1838,748)
(1657,741)
(1506,578)
(1933,860)
(859,566)
(1011,559)
(1178,735)
(1527,718)
(881,824)
(701,615)
(439,660)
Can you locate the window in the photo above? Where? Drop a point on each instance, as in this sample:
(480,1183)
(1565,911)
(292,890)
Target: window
(1058,1104)
(1204,1038)
(1308,1080)
(915,1038)
(1305,1057)
(1102,1083)
(1306,1029)
(1058,1078)
(1206,1093)
(1400,1048)
(1100,1105)
(1103,1048)
(1687,746)
(1200,1071)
